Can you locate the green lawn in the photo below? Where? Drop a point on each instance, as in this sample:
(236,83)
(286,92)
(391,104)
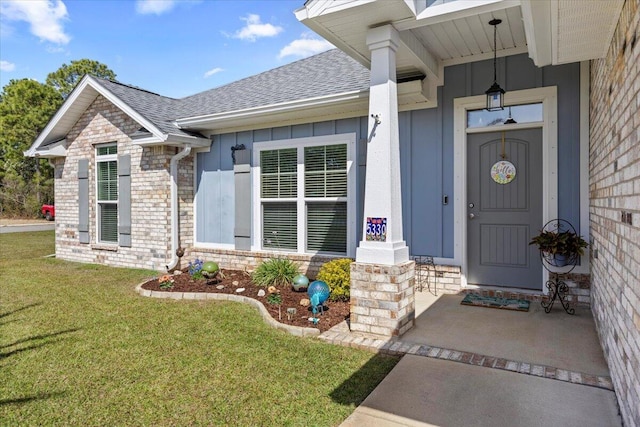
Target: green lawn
(79,347)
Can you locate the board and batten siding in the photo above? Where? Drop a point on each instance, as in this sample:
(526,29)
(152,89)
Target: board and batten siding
(426,155)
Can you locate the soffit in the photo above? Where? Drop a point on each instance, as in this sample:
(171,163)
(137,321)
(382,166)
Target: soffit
(584,29)
(454,32)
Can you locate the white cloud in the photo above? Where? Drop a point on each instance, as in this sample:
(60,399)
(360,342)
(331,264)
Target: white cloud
(7,66)
(305,46)
(44,16)
(213,71)
(146,7)
(255,29)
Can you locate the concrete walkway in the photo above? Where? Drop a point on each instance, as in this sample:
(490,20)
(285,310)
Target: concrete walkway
(421,391)
(485,367)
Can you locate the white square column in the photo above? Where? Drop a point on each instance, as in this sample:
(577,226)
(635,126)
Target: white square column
(382,196)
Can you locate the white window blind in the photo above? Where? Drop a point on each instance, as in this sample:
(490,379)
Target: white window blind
(280,225)
(279,173)
(107,193)
(327,227)
(323,201)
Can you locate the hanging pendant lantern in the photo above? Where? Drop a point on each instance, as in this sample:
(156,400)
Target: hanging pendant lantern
(495,94)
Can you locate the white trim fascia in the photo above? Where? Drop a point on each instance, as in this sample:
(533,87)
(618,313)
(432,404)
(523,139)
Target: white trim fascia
(257,112)
(585,94)
(316,8)
(149,141)
(536,19)
(411,96)
(88,81)
(548,96)
(50,151)
(350,140)
(449,11)
(57,116)
(553,22)
(172,140)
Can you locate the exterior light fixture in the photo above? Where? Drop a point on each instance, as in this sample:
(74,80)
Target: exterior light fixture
(495,94)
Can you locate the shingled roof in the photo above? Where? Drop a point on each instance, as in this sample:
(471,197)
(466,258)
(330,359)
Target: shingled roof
(327,73)
(159,110)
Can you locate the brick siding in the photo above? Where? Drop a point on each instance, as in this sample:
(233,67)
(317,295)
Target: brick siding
(614,170)
(101,123)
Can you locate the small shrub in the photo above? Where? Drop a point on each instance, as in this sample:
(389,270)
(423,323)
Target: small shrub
(337,274)
(275,272)
(195,269)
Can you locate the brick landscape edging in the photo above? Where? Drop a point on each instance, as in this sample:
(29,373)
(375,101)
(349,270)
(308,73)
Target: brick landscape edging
(297,331)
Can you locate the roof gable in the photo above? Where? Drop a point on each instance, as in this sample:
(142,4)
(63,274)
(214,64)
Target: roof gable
(150,110)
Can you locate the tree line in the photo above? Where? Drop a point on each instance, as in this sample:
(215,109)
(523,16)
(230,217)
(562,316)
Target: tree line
(26,106)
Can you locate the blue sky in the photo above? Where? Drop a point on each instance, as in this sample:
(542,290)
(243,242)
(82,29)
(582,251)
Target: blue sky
(175,48)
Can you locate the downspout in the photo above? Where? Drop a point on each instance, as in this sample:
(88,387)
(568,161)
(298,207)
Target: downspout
(176,250)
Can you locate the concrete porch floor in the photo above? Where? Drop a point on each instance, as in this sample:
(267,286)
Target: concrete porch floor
(527,369)
(555,339)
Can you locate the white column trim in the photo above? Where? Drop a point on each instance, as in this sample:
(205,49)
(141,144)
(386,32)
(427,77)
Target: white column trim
(383,193)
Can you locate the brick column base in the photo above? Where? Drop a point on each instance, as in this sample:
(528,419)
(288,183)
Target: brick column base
(382,298)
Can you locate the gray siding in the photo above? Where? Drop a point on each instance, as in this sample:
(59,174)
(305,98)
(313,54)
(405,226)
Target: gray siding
(215,190)
(426,150)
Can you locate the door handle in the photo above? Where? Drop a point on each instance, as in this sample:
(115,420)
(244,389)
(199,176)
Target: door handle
(472,216)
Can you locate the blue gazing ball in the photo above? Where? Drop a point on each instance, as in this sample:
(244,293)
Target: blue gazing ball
(319,288)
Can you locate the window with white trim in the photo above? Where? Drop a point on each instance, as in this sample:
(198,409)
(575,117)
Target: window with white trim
(303,197)
(107,193)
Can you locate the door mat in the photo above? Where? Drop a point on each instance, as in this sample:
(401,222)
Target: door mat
(494,302)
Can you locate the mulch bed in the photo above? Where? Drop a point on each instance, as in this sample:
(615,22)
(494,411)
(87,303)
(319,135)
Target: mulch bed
(334,312)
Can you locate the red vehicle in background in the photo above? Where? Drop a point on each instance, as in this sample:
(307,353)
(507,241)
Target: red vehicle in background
(49,212)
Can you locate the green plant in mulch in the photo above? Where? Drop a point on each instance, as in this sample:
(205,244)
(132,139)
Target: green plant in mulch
(195,268)
(275,272)
(337,274)
(274,298)
(166,281)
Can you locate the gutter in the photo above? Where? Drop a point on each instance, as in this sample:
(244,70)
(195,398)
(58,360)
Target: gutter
(176,250)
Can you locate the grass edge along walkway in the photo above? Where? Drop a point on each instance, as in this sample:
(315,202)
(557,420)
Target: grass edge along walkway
(78,346)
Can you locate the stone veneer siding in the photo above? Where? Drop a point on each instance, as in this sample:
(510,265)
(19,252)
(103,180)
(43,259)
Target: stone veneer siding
(614,191)
(101,123)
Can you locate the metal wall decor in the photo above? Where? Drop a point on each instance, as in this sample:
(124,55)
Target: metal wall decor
(503,172)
